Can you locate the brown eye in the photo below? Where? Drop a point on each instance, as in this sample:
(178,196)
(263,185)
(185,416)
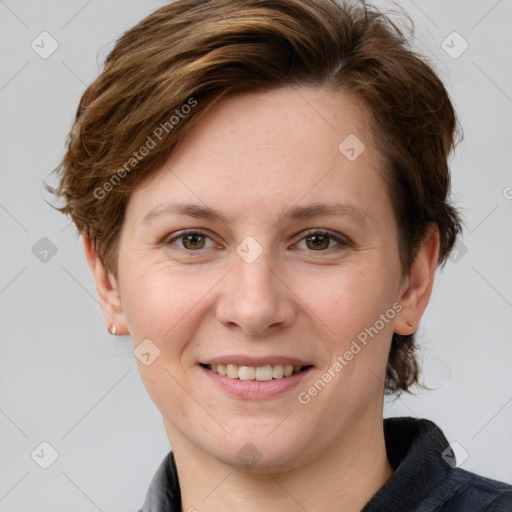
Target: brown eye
(319,240)
(316,242)
(194,241)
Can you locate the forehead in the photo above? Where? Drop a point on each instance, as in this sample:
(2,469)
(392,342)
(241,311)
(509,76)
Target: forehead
(269,150)
(289,122)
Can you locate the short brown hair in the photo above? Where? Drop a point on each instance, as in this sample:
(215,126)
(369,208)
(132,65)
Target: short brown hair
(194,53)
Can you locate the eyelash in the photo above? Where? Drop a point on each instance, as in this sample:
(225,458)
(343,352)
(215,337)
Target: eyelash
(323,232)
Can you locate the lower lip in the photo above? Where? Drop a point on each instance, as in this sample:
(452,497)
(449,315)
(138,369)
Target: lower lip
(254,389)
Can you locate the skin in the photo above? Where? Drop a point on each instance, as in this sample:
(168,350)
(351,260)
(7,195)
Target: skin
(251,158)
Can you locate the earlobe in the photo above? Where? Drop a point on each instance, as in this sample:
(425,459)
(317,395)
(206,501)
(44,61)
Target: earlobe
(107,289)
(418,285)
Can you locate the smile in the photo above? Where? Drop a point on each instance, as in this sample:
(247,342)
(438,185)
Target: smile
(256,373)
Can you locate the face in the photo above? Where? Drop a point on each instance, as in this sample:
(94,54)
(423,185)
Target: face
(260,243)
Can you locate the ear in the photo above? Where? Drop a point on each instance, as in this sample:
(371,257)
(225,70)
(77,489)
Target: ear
(107,288)
(417,286)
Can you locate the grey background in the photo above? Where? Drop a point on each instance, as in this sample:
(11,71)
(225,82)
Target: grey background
(65,380)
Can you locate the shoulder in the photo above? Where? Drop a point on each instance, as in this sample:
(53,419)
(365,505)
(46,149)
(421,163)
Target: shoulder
(427,478)
(475,493)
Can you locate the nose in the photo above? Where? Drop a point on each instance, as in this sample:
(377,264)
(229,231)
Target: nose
(255,298)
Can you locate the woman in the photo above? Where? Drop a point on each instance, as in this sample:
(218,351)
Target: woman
(263,193)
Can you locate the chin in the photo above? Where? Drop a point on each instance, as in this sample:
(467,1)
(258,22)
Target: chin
(257,453)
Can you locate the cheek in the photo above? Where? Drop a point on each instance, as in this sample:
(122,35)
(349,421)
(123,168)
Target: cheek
(166,307)
(158,301)
(353,298)
(358,308)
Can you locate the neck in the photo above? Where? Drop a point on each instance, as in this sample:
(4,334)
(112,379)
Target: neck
(344,478)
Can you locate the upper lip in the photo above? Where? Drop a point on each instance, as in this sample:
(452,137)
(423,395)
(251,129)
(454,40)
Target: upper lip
(243,360)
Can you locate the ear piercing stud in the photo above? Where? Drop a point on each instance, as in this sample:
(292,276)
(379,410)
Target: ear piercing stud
(410,324)
(113,329)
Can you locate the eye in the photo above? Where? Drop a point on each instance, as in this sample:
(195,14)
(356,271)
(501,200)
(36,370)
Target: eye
(320,240)
(191,240)
(317,240)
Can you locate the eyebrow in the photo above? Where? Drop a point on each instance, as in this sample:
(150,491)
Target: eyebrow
(295,213)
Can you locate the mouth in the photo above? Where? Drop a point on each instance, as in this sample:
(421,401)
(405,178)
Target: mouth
(256,373)
(255,378)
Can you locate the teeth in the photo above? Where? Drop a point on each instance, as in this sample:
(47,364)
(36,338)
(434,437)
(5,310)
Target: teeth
(259,373)
(232,371)
(277,371)
(246,372)
(264,372)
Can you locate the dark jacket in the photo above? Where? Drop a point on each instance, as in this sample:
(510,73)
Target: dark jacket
(425,478)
